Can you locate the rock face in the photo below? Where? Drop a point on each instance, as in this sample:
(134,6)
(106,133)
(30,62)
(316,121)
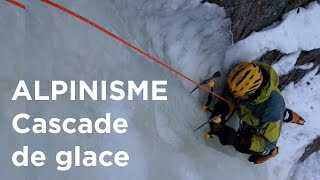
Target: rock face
(313,147)
(253,15)
(248,16)
(296,74)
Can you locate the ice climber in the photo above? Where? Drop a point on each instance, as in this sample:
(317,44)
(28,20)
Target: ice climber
(253,87)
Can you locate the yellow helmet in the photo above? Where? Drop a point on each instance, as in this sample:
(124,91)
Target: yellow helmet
(244,79)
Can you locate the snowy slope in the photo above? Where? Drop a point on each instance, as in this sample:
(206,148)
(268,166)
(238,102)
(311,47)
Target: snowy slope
(12,35)
(160,139)
(309,169)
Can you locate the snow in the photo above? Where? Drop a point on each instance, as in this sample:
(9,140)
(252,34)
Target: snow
(309,169)
(286,63)
(305,66)
(297,31)
(46,44)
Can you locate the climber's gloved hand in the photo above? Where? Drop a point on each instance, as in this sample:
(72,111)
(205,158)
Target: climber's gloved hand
(221,108)
(211,84)
(242,142)
(207,136)
(204,107)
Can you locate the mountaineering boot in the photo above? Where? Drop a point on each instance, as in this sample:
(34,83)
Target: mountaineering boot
(261,158)
(292,117)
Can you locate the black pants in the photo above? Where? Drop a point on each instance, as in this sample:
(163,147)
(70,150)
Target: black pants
(240,140)
(226,134)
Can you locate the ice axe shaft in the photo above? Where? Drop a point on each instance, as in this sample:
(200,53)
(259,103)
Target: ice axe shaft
(210,120)
(215,75)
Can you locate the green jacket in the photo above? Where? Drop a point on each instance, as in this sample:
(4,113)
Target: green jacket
(265,114)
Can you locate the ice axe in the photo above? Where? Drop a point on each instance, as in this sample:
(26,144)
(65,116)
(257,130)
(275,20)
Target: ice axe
(215,75)
(215,119)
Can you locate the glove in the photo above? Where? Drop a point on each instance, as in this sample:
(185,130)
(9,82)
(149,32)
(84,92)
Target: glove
(204,107)
(243,143)
(221,108)
(261,158)
(207,136)
(211,84)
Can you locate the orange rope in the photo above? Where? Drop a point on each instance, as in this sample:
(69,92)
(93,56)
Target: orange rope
(20,5)
(74,14)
